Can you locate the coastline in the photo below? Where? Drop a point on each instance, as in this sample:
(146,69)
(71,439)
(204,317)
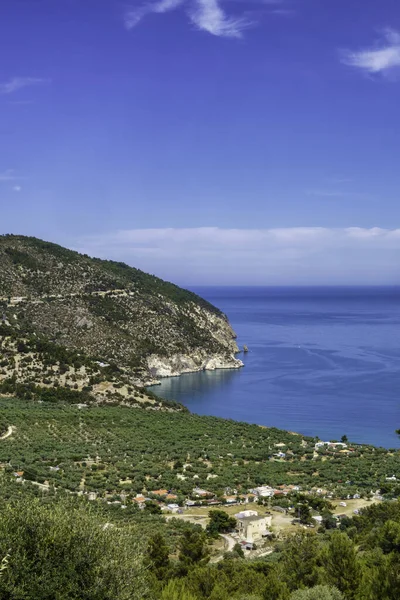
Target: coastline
(183,364)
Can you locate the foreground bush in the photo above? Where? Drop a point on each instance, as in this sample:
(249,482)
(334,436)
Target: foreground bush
(63,551)
(319,592)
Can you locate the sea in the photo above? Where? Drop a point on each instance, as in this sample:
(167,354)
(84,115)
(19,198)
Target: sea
(322,362)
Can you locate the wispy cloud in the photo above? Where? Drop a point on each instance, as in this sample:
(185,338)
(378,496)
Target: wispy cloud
(18,83)
(8,175)
(206,15)
(298,255)
(11,177)
(133,16)
(333,193)
(383,58)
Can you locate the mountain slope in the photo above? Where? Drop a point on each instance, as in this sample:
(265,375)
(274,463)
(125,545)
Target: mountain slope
(111,317)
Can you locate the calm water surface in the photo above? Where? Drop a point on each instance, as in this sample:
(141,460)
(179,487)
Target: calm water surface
(322,361)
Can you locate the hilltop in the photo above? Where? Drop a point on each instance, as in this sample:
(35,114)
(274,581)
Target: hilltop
(100,327)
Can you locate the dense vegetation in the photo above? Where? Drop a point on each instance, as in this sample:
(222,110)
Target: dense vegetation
(59,549)
(63,550)
(114,449)
(57,546)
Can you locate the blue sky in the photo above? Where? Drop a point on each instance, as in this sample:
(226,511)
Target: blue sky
(207,141)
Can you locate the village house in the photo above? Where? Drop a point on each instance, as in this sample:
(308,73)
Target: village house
(159,492)
(264,491)
(330,445)
(171,497)
(140,500)
(253,527)
(247,498)
(230,499)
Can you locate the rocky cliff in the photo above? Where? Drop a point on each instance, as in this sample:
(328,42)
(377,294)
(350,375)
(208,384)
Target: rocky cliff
(61,309)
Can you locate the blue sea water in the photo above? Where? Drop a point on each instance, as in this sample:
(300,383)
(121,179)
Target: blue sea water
(321,361)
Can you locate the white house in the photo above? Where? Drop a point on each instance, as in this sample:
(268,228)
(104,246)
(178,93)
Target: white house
(264,491)
(253,528)
(330,445)
(317,518)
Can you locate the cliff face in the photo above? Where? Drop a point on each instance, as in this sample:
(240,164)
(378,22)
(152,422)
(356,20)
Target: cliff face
(138,325)
(199,359)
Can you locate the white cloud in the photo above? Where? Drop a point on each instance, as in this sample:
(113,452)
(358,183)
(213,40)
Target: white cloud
(18,83)
(383,58)
(209,16)
(206,15)
(211,255)
(17,188)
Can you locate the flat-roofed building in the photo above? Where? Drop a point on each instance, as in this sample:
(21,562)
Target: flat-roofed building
(253,527)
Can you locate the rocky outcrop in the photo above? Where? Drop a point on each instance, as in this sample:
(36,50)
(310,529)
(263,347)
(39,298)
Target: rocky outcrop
(178,364)
(200,359)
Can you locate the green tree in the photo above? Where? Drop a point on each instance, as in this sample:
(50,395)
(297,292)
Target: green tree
(176,590)
(237,549)
(389,537)
(381,576)
(328,520)
(193,550)
(300,560)
(275,588)
(304,513)
(220,522)
(62,550)
(158,556)
(341,566)
(201,581)
(152,507)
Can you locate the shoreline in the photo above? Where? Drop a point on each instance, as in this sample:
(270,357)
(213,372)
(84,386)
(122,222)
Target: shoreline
(316,435)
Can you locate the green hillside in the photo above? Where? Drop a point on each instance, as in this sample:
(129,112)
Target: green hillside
(99,326)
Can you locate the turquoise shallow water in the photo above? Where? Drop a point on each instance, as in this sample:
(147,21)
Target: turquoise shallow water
(322,361)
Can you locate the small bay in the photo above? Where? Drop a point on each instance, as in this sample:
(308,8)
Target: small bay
(321,361)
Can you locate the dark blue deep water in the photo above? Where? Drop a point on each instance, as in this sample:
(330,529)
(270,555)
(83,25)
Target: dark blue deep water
(322,361)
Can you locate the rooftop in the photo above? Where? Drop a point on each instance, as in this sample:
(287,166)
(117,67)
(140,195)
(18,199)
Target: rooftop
(253,518)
